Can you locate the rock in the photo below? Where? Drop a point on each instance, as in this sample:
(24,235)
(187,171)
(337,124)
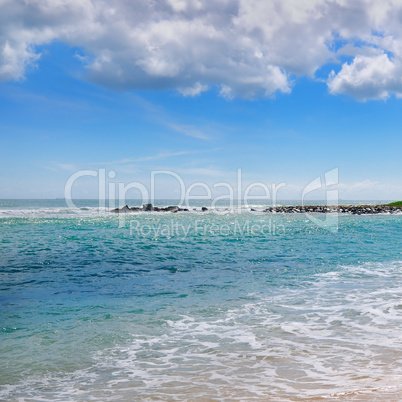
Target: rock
(147,207)
(347,209)
(125,209)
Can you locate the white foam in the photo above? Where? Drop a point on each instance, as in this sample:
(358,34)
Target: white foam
(338,338)
(53,212)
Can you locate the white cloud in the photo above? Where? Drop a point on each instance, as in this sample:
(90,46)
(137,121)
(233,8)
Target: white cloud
(365,78)
(246,48)
(194,90)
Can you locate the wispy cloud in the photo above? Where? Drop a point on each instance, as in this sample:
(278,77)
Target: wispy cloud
(189,131)
(163,155)
(370,190)
(131,165)
(68,167)
(159,116)
(358,186)
(210,172)
(59,103)
(158,156)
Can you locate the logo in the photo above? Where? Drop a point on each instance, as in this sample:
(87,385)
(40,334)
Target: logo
(236,198)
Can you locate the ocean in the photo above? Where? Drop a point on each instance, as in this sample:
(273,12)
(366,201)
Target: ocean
(197,305)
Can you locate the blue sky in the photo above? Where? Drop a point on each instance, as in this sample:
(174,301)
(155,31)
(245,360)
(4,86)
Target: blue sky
(60,112)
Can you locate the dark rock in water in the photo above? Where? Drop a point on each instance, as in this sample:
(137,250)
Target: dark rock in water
(345,209)
(147,207)
(125,209)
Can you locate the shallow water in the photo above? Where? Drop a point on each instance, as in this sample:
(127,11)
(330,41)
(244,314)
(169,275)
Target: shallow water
(197,305)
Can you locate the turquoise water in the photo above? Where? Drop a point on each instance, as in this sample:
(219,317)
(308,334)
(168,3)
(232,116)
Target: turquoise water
(197,305)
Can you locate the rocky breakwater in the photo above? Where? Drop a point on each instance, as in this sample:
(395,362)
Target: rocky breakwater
(151,208)
(345,209)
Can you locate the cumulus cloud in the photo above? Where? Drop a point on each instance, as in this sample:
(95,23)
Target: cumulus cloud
(245,48)
(196,89)
(368,78)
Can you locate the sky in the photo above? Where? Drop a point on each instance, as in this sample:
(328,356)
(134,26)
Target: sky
(283,90)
